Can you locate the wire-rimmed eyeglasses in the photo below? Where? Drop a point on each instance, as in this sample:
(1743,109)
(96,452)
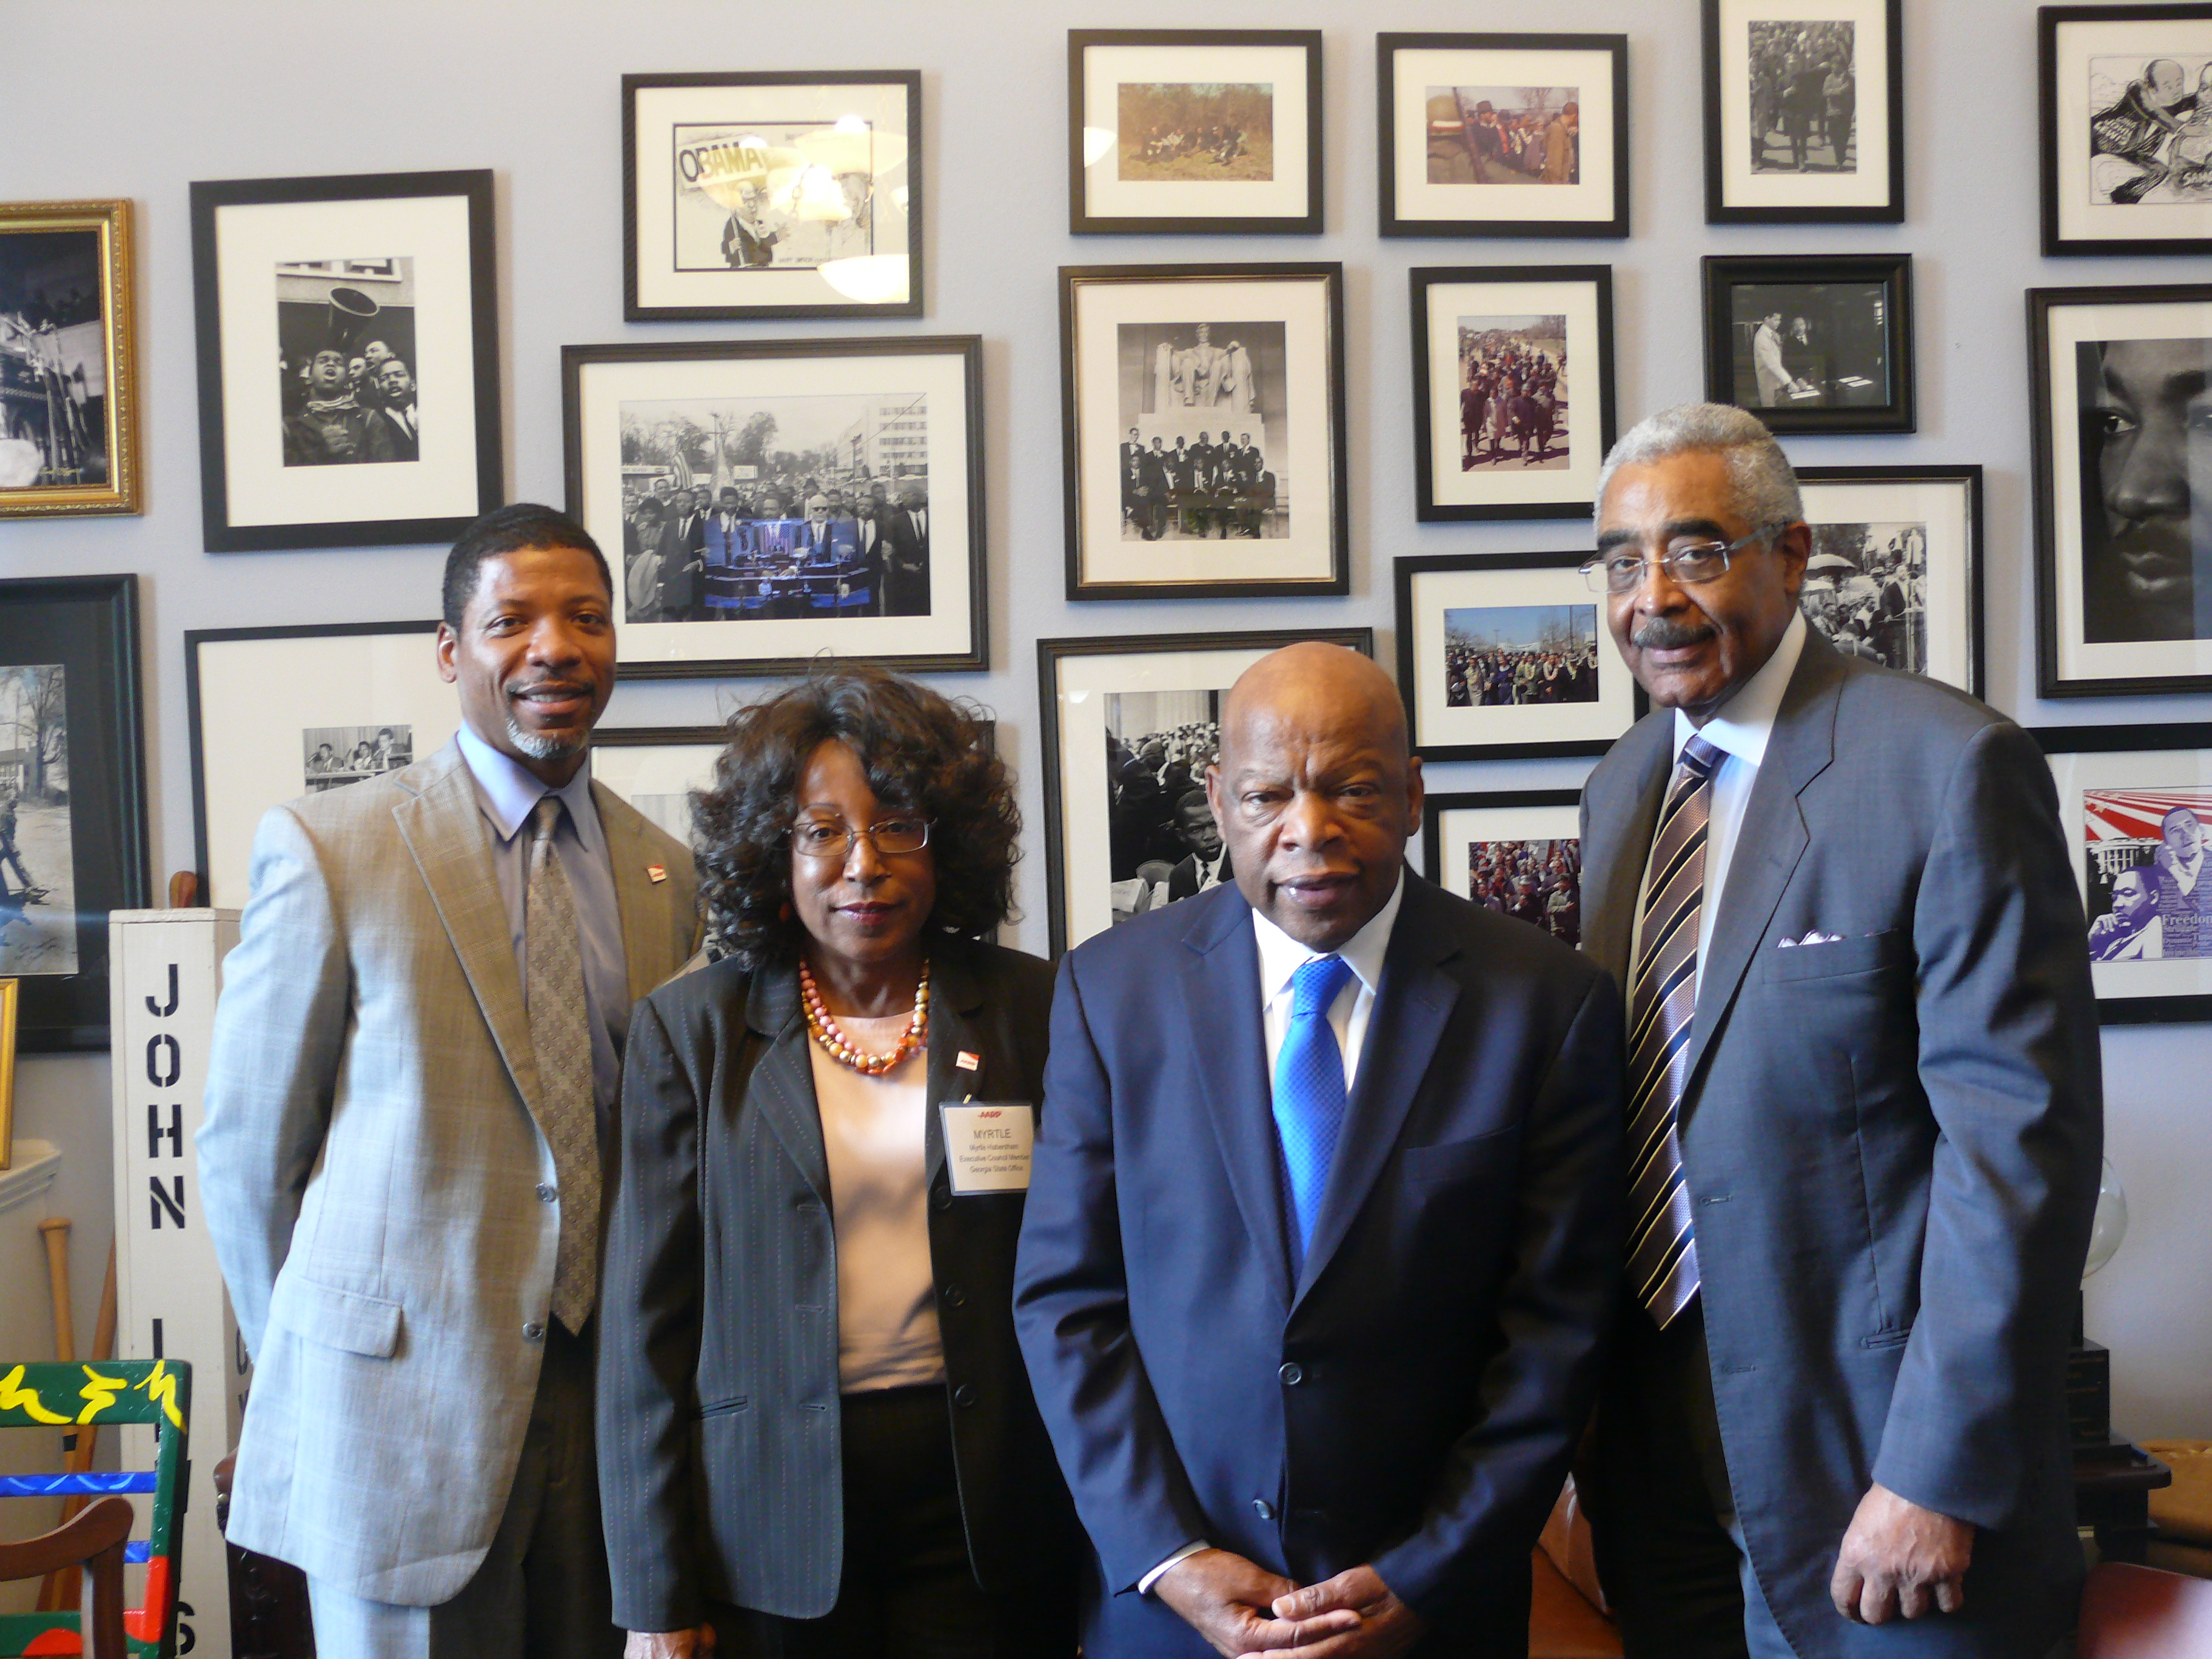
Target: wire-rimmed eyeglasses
(1622,572)
(833,838)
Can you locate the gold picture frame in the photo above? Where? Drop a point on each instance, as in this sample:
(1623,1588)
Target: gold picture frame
(7,1073)
(68,379)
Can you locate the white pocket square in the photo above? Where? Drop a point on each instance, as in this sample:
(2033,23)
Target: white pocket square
(1814,936)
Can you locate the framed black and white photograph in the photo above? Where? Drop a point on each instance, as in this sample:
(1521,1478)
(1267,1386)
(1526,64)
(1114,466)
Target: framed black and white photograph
(1812,344)
(1516,852)
(2127,127)
(1804,112)
(72,797)
(1194,131)
(69,387)
(1503,656)
(1896,572)
(658,769)
(2124,555)
(373,299)
(771,500)
(1130,726)
(1512,390)
(772,193)
(2135,800)
(1503,135)
(1203,424)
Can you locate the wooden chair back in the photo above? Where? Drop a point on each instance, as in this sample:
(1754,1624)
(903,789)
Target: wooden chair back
(93,1541)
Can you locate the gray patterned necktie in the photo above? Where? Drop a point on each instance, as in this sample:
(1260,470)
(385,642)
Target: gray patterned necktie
(561,1039)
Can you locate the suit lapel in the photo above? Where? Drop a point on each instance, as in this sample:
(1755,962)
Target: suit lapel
(955,996)
(782,1081)
(641,902)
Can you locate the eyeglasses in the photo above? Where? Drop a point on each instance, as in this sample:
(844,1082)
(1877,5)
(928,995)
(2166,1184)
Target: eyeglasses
(833,838)
(1698,561)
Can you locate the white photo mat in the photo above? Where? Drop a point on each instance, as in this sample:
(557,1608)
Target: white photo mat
(1415,70)
(1459,828)
(1578,302)
(2081,218)
(657,778)
(1438,726)
(1106,68)
(2145,770)
(1867,183)
(1943,506)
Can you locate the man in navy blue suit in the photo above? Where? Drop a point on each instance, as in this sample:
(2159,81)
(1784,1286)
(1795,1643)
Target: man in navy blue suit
(1324,1221)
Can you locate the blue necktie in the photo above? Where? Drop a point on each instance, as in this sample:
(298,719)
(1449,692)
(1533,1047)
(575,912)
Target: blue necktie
(1310,1094)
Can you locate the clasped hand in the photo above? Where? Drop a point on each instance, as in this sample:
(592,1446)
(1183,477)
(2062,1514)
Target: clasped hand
(1242,1609)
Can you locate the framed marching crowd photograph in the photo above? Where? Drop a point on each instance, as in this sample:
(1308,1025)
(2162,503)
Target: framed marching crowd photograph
(1130,726)
(1500,657)
(773,193)
(1503,135)
(777,500)
(72,797)
(1804,112)
(2126,128)
(68,385)
(2123,558)
(1812,342)
(2135,802)
(373,295)
(1203,425)
(1194,131)
(1896,571)
(1516,852)
(1512,390)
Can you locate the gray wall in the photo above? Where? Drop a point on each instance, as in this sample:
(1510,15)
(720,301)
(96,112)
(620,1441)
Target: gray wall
(110,99)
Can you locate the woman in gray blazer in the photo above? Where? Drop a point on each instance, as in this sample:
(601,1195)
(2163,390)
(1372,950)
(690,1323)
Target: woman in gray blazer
(817,1436)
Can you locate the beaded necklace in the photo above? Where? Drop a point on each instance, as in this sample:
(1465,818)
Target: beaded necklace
(841,1048)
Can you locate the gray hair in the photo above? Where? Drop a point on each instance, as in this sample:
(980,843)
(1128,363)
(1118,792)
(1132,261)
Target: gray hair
(1765,486)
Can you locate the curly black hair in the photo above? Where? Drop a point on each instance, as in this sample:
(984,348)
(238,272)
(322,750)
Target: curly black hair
(923,753)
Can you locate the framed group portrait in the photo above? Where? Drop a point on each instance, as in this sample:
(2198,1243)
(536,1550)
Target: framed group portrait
(1501,656)
(1203,431)
(1812,342)
(1895,575)
(69,385)
(772,194)
(1516,852)
(1804,112)
(1512,390)
(1194,131)
(2126,137)
(773,501)
(1503,135)
(1130,726)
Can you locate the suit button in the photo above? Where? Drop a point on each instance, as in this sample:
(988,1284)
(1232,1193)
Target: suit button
(964,1396)
(533,1332)
(941,1198)
(955,1295)
(547,1191)
(1293,1374)
(1263,1509)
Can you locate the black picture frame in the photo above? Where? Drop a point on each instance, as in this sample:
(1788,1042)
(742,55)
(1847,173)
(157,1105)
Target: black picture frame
(1726,369)
(1576,485)
(1399,214)
(1954,606)
(463,490)
(1811,208)
(1235,646)
(951,364)
(1082,221)
(638,306)
(88,626)
(2074,219)
(1437,810)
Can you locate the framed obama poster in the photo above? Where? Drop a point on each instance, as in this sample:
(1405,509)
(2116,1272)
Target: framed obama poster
(1516,852)
(2120,380)
(2135,802)
(1130,726)
(772,193)
(1512,390)
(374,297)
(1804,112)
(69,385)
(1203,431)
(1895,575)
(1500,657)
(2126,128)
(775,501)
(1812,344)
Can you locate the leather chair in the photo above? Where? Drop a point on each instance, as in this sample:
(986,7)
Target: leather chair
(2139,1612)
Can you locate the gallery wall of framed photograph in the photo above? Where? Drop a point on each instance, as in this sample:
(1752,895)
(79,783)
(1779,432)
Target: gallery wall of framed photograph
(1516,852)
(1804,112)
(1812,342)
(1895,575)
(375,297)
(69,375)
(2126,148)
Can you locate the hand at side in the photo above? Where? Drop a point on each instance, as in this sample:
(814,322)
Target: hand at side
(1899,1559)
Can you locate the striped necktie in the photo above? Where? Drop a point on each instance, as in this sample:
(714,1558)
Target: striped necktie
(1662,1255)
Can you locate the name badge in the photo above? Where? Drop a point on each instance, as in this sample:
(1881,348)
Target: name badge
(986,1145)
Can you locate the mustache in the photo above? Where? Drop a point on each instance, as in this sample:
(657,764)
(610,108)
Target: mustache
(1661,634)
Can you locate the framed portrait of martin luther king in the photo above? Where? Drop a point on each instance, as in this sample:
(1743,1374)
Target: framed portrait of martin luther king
(1804,112)
(2126,128)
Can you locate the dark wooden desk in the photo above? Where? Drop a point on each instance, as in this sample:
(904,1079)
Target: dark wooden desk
(2112,1485)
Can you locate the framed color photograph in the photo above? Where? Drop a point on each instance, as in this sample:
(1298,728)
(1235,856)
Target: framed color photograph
(1804,112)
(69,386)
(1517,852)
(1812,344)
(2124,557)
(2136,802)
(775,500)
(373,297)
(1503,656)
(1896,571)
(1203,421)
(787,193)
(2127,127)
(1130,727)
(1503,135)
(1512,390)
(72,797)
(1192,131)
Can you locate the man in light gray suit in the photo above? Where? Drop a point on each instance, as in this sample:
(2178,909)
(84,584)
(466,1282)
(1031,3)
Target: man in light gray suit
(416,1062)
(1864,1108)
